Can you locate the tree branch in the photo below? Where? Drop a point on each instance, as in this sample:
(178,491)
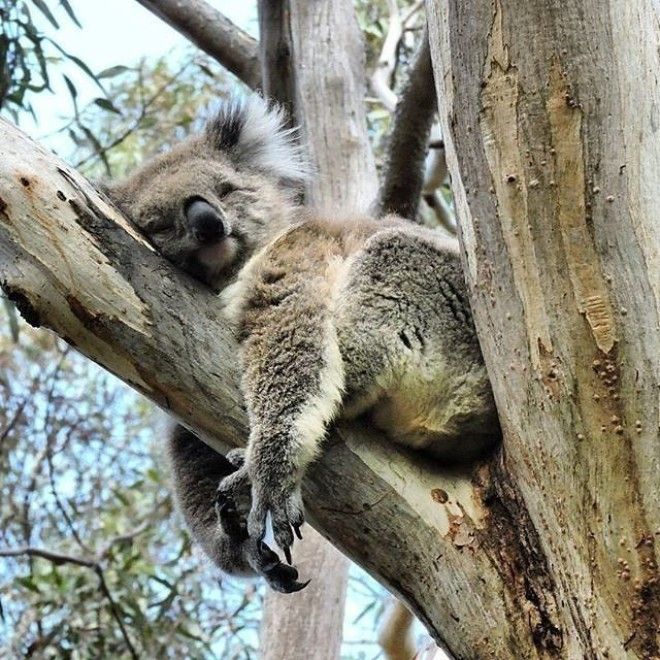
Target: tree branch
(402,184)
(213,33)
(381,78)
(56,558)
(443,540)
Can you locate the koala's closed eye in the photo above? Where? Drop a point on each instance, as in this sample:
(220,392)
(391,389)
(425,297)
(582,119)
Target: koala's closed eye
(155,221)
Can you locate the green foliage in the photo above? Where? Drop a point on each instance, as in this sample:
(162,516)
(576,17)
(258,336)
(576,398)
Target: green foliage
(84,478)
(28,55)
(152,106)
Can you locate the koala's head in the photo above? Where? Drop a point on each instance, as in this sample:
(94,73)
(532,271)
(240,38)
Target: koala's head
(215,198)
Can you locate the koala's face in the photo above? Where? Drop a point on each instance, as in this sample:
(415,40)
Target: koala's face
(217,197)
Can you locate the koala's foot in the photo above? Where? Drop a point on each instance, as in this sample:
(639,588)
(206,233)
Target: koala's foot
(287,514)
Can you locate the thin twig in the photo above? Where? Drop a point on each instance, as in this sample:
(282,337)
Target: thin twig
(116,613)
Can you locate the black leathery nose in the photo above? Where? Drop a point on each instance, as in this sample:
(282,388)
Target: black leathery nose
(205,221)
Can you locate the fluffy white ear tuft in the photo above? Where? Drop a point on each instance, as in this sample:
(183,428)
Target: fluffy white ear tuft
(254,135)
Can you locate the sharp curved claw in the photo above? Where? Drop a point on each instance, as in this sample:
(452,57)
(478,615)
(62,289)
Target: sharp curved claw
(269,559)
(297,586)
(296,529)
(284,579)
(287,554)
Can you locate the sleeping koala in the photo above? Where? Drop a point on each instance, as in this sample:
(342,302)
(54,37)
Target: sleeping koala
(337,316)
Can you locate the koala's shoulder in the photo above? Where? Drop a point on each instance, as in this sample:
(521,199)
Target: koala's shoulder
(306,258)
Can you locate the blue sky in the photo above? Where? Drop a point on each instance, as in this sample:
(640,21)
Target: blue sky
(113,32)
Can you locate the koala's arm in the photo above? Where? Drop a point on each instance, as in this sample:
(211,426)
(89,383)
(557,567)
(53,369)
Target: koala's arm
(220,529)
(292,373)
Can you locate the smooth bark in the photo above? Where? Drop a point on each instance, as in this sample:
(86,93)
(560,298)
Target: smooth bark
(312,623)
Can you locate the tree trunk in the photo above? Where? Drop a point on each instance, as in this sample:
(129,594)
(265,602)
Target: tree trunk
(303,79)
(309,625)
(551,112)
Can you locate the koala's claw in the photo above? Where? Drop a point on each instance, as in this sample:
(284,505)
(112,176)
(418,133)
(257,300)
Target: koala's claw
(284,579)
(280,577)
(286,511)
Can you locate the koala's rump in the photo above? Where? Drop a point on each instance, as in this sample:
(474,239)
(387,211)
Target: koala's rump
(411,357)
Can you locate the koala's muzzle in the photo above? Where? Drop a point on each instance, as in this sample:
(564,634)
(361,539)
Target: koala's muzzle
(206,223)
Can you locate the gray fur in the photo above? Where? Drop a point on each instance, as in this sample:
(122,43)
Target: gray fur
(337,317)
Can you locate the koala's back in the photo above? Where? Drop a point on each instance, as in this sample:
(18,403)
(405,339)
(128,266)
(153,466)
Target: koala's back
(401,344)
(411,356)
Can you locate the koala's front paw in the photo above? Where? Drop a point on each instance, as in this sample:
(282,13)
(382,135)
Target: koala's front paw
(287,514)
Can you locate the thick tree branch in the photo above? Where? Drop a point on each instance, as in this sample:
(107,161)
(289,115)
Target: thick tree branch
(213,33)
(444,540)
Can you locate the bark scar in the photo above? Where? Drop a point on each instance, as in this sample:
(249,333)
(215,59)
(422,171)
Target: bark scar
(499,127)
(565,117)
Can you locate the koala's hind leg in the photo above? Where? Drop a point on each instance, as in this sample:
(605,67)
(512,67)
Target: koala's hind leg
(220,527)
(292,375)
(412,358)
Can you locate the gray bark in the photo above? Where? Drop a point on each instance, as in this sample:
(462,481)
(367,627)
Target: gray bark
(551,115)
(309,625)
(312,623)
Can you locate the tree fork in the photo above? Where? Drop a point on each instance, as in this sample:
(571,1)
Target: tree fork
(428,533)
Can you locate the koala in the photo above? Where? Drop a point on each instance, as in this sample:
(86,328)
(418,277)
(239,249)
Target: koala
(337,315)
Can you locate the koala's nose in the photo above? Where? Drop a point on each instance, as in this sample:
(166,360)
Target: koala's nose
(206,222)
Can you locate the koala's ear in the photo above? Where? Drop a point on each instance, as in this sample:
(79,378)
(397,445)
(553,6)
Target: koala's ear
(255,136)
